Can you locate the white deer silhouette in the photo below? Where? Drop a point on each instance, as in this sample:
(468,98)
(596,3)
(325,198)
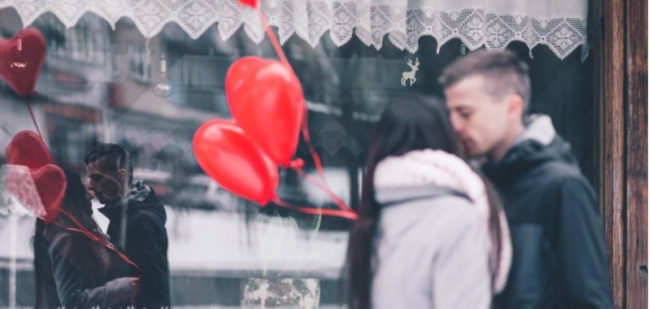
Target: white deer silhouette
(410,75)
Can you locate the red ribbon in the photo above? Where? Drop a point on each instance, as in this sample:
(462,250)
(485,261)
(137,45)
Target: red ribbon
(317,211)
(31,114)
(274,40)
(83,230)
(312,151)
(296,165)
(345,211)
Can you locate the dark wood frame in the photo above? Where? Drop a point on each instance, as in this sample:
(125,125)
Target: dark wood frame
(621,41)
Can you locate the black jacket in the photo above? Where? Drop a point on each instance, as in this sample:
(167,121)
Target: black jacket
(559,252)
(146,242)
(76,272)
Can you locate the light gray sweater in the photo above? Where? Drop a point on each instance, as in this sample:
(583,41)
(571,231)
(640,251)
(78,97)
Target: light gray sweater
(430,250)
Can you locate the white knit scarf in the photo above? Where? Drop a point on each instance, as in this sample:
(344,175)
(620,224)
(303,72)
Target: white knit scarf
(436,167)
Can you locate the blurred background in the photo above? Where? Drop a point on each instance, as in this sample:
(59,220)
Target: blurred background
(98,84)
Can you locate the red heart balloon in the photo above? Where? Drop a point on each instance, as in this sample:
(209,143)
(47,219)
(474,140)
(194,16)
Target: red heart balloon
(229,157)
(51,183)
(21,59)
(40,178)
(48,183)
(27,148)
(266,100)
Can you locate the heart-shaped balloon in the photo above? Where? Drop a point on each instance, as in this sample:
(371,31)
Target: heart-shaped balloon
(40,178)
(266,100)
(231,158)
(21,60)
(51,183)
(48,183)
(27,148)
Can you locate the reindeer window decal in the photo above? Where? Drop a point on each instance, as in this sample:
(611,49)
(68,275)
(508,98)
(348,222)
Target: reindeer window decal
(409,76)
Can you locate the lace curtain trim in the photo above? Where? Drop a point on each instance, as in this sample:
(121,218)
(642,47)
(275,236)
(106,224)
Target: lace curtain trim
(475,27)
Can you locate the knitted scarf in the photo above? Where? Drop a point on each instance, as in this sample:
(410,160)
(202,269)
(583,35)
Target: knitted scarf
(436,167)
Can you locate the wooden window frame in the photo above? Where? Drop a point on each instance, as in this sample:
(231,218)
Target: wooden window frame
(620,36)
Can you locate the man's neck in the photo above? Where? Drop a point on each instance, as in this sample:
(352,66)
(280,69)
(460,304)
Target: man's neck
(116,202)
(113,204)
(502,148)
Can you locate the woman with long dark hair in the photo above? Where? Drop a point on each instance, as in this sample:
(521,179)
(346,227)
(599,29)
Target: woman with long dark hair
(71,269)
(431,232)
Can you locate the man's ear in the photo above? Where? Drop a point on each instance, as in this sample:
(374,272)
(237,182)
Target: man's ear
(515,106)
(123,174)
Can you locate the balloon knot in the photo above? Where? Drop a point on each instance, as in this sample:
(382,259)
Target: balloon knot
(297,164)
(250,3)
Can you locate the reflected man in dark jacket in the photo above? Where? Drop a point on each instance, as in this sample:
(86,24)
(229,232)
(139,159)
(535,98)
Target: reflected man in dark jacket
(559,252)
(137,220)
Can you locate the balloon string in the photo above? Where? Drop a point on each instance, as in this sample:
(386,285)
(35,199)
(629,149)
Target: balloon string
(325,188)
(312,151)
(31,114)
(345,211)
(317,211)
(82,229)
(273,39)
(296,165)
(284,60)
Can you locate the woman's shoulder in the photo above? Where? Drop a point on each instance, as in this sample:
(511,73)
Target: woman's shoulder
(72,247)
(430,201)
(57,237)
(439,214)
(451,212)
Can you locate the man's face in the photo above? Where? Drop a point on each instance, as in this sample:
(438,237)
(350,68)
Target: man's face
(480,120)
(106,184)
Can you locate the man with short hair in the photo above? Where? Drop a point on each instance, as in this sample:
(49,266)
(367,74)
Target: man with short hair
(137,220)
(559,253)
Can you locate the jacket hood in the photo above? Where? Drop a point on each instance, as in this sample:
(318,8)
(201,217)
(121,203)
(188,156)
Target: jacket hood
(141,197)
(431,173)
(538,143)
(389,196)
(409,175)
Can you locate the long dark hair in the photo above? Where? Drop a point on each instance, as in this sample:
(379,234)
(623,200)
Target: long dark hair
(77,204)
(413,123)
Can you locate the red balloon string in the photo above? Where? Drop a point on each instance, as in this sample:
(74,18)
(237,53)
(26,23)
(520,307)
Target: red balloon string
(317,211)
(82,229)
(283,58)
(346,211)
(273,39)
(312,151)
(31,114)
(325,188)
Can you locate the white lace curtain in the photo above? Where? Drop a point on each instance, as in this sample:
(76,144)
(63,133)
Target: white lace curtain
(558,24)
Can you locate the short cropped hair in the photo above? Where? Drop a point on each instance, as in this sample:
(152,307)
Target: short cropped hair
(504,73)
(114,156)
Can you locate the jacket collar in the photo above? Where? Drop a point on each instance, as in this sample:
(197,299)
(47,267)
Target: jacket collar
(426,172)
(138,195)
(538,128)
